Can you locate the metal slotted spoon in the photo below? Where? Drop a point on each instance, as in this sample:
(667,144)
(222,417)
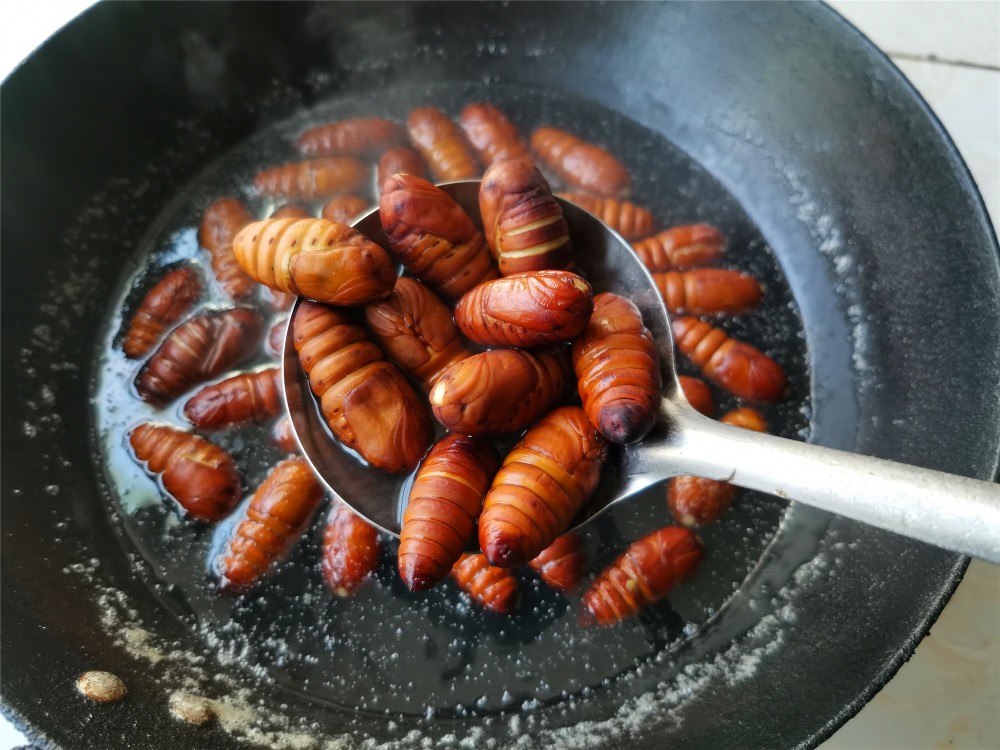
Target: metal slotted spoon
(949,511)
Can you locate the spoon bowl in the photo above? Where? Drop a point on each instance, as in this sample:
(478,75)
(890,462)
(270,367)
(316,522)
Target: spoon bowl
(954,512)
(605,259)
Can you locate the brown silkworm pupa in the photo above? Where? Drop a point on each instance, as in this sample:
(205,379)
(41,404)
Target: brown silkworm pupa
(545,480)
(440,518)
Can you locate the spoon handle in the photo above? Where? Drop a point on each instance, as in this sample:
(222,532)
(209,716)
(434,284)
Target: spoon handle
(953,512)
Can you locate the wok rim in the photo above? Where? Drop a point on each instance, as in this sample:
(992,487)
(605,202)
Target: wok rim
(961,565)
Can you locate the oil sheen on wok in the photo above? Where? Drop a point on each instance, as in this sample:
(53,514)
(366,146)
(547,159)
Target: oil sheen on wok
(385,648)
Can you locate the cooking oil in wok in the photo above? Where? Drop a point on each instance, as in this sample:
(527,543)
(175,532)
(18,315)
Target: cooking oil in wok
(436,654)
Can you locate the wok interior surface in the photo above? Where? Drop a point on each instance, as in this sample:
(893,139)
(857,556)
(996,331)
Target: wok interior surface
(829,610)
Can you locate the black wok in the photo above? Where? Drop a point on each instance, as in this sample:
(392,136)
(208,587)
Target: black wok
(880,233)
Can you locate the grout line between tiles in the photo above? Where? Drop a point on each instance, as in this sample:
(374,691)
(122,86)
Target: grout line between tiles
(942,61)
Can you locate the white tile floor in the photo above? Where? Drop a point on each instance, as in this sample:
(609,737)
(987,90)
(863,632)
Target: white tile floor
(961,31)
(947,695)
(950,51)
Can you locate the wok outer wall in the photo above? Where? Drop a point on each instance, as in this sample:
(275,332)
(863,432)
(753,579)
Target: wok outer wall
(821,139)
